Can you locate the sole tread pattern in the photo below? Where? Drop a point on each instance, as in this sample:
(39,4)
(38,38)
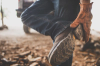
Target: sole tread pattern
(63,51)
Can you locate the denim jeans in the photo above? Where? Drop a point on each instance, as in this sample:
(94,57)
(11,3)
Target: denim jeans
(38,17)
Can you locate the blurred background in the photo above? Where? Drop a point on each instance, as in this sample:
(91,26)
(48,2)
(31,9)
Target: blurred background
(17,40)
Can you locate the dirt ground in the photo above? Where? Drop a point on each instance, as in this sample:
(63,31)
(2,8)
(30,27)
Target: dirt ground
(16,49)
(12,46)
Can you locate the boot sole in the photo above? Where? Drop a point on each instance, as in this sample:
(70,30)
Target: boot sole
(62,51)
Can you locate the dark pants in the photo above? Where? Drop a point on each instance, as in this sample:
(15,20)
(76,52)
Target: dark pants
(38,16)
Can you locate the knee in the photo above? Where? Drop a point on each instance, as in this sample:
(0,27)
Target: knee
(23,16)
(26,16)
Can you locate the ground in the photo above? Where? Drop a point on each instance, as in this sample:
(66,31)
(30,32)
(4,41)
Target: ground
(14,43)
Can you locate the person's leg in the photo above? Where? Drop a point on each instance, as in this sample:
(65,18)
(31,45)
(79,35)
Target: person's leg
(66,9)
(37,16)
(60,52)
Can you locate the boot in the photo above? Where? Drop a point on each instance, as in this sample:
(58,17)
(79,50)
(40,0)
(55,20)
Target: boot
(63,47)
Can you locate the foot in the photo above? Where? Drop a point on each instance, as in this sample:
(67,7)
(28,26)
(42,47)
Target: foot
(63,47)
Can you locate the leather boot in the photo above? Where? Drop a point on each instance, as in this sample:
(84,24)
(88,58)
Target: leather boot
(64,44)
(63,47)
